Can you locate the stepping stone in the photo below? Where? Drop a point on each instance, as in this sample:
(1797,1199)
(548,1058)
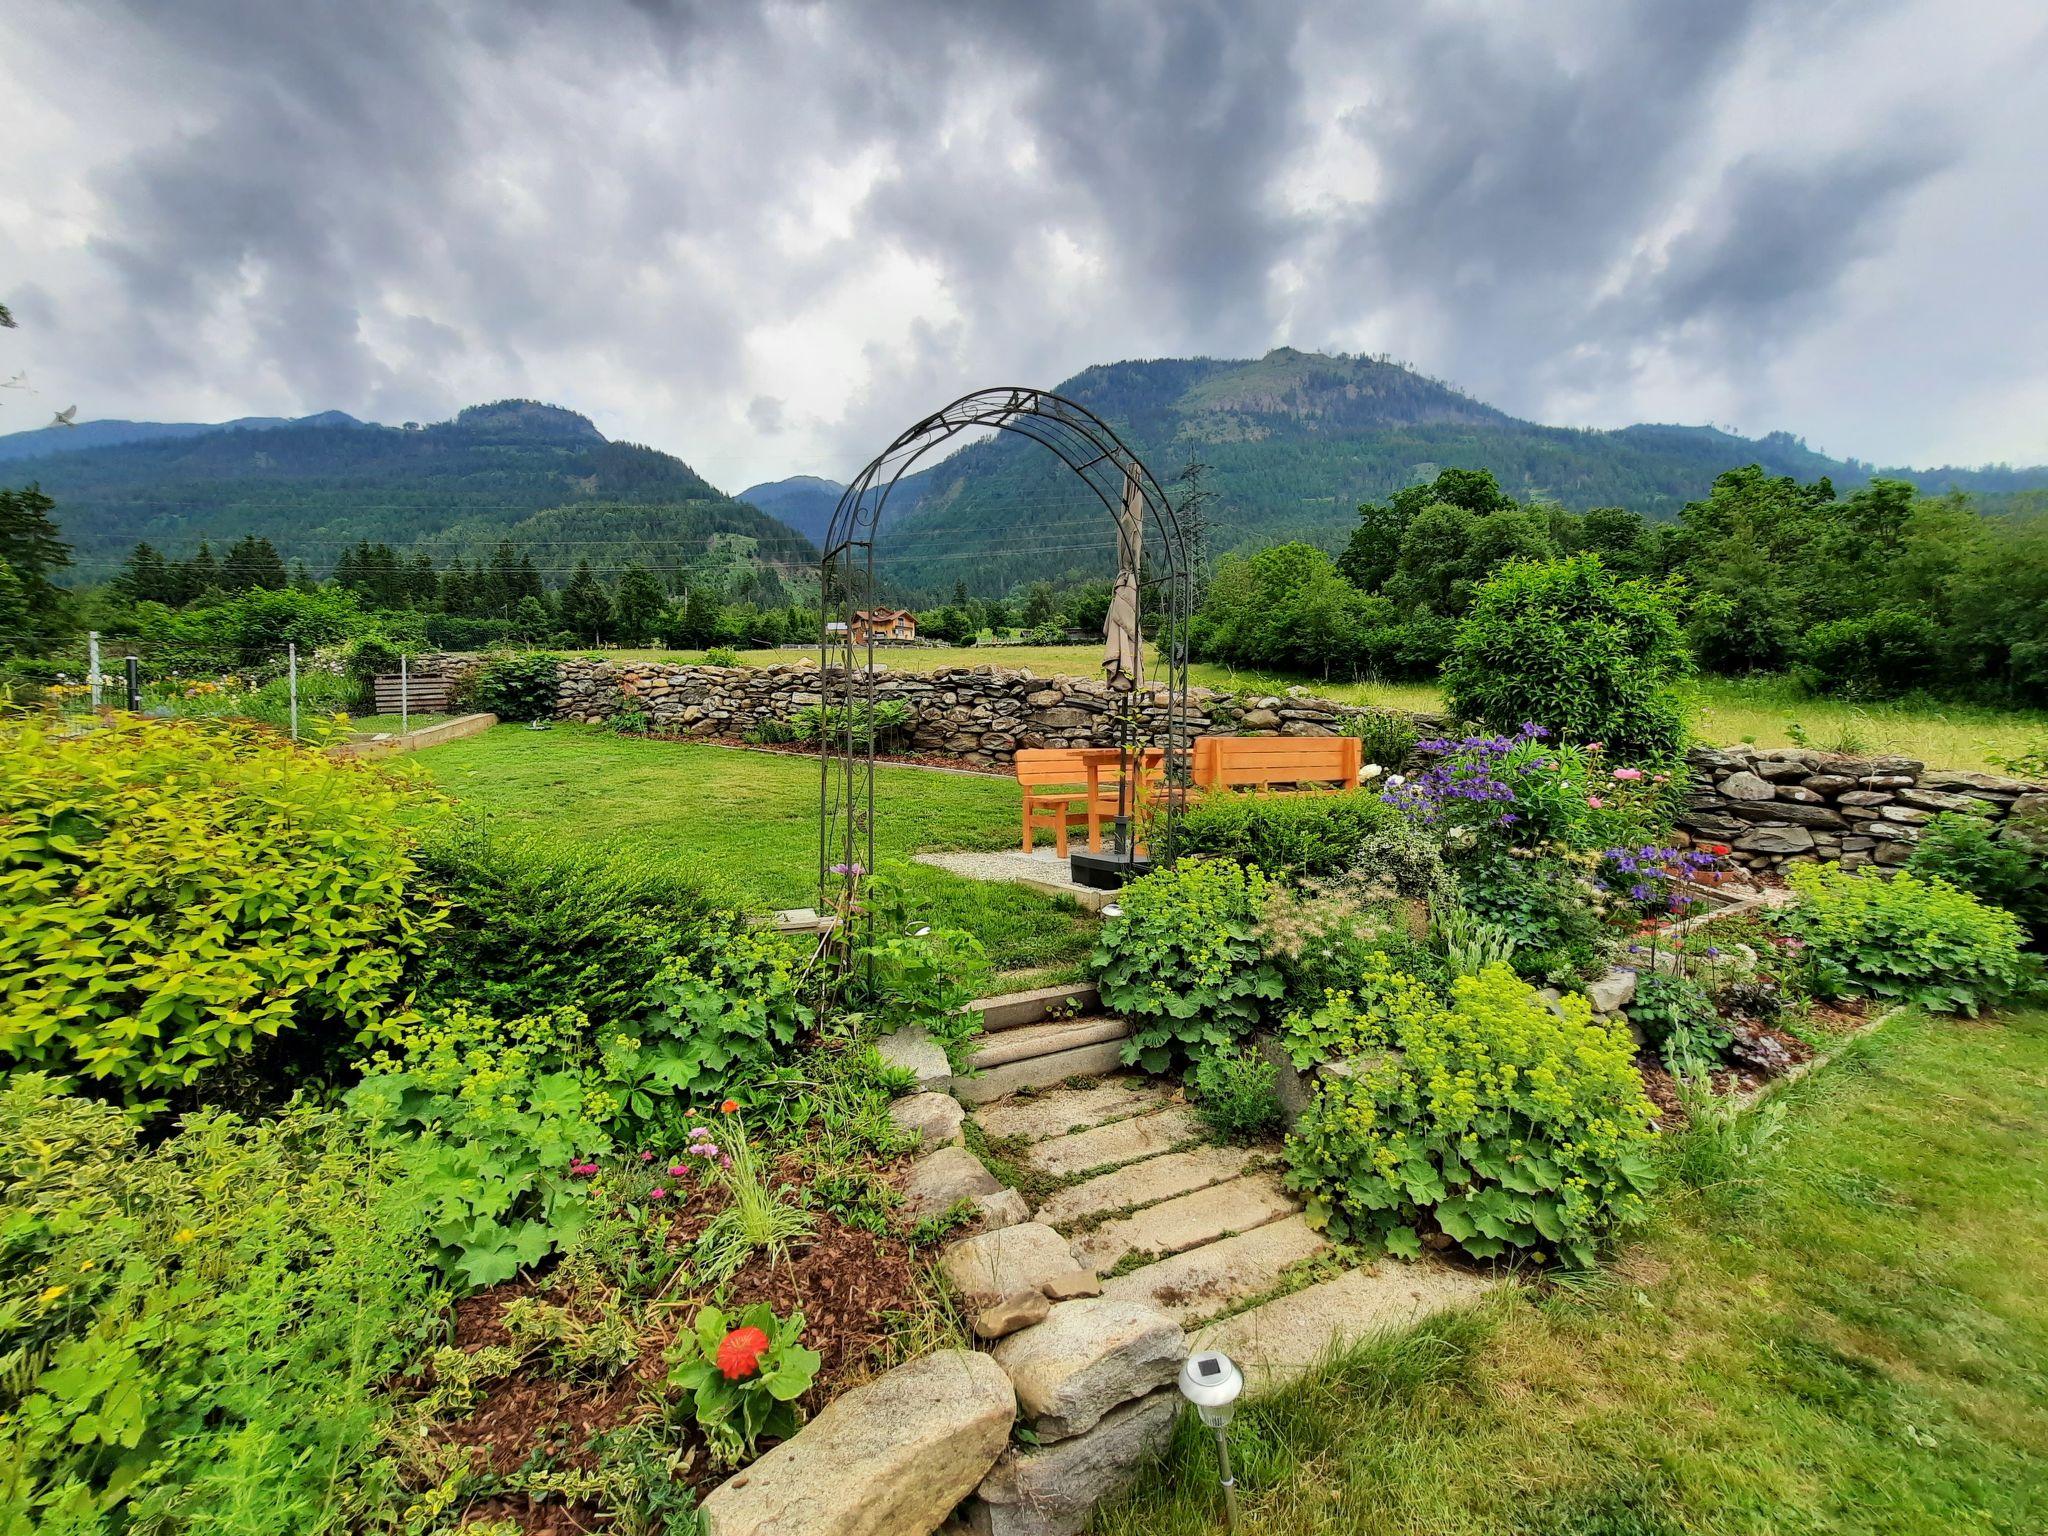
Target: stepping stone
(1030,1040)
(1013,1010)
(1142,1184)
(916,1052)
(939,1180)
(1203,1281)
(1282,1340)
(1121,1141)
(1039,1072)
(1070,1109)
(1188,1221)
(1003,1262)
(934,1118)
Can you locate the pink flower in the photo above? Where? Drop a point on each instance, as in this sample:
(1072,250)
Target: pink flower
(1596,802)
(1594,746)
(676,1170)
(1628,774)
(582,1170)
(657,1193)
(646,1157)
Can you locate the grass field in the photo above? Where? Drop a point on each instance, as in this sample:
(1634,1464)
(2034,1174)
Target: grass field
(1770,712)
(744,825)
(1847,1331)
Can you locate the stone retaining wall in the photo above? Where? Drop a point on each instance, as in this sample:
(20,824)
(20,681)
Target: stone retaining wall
(1775,806)
(981,714)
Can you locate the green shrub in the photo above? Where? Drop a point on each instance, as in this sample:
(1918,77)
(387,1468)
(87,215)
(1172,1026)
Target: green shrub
(724,1019)
(1563,642)
(1904,937)
(1323,936)
(1284,835)
(1235,1094)
(501,1123)
(1677,1017)
(1388,737)
(178,895)
(2005,867)
(1401,858)
(885,723)
(1547,907)
(722,656)
(1381,1004)
(526,929)
(1877,656)
(1183,962)
(1512,1126)
(518,686)
(197,1334)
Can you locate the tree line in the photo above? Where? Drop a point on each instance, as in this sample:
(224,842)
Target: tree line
(1869,595)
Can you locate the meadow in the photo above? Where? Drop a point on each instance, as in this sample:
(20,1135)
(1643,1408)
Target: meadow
(1766,711)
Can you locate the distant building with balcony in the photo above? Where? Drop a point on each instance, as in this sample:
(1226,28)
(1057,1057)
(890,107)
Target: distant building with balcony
(883,624)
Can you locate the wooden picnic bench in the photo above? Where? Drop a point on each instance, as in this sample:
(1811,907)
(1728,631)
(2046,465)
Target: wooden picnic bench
(1065,787)
(1319,764)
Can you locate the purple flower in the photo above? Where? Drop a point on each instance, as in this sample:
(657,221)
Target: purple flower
(1712,952)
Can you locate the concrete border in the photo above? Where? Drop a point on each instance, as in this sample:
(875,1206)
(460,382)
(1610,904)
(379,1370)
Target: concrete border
(390,743)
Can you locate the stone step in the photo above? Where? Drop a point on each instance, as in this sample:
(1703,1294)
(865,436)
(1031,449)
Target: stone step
(1121,1141)
(1015,1010)
(1029,1040)
(1143,1184)
(1187,1221)
(1045,1115)
(1203,1281)
(1039,1072)
(1282,1340)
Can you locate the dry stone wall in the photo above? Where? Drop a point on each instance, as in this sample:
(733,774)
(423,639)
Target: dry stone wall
(1774,806)
(980,714)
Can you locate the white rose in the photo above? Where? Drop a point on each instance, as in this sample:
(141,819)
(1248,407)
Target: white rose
(1369,771)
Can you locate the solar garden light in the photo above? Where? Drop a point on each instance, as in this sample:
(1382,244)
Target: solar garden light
(1112,910)
(1213,1384)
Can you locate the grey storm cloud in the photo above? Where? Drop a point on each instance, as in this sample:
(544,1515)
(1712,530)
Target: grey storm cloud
(766,236)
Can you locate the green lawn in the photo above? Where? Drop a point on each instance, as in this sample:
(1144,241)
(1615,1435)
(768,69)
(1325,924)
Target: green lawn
(1769,712)
(744,825)
(1849,1336)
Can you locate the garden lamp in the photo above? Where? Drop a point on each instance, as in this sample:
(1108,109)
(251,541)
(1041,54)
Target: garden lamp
(1213,1384)
(1112,910)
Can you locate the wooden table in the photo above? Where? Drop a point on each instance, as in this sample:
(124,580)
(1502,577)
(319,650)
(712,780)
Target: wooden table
(1151,761)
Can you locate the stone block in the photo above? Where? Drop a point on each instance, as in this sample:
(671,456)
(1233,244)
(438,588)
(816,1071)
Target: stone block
(1053,1491)
(934,1118)
(1776,840)
(1086,1358)
(1746,786)
(1000,1263)
(939,1180)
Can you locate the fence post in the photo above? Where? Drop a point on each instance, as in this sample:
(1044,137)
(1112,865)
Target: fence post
(92,664)
(404,696)
(133,668)
(291,663)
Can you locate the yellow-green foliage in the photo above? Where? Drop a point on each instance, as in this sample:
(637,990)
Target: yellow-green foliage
(1903,937)
(1513,1125)
(1380,1005)
(172,891)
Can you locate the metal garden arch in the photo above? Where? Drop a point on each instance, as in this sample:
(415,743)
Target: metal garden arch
(1118,477)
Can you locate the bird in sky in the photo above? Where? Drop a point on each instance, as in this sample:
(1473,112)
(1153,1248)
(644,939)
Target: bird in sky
(64,417)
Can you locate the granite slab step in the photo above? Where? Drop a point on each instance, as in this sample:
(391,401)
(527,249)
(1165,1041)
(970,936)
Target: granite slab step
(1039,1072)
(1015,1010)
(1187,1221)
(1198,1284)
(1143,1184)
(1121,1141)
(1282,1340)
(1063,1110)
(1028,1040)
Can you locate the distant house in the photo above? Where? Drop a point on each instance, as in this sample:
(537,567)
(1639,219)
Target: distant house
(884,624)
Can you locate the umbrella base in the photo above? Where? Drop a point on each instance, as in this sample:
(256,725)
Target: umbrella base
(1107,870)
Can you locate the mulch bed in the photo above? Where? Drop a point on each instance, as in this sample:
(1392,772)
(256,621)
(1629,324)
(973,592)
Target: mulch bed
(853,1288)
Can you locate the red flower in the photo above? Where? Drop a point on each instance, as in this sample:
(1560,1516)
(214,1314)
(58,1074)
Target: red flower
(740,1354)
(729,1106)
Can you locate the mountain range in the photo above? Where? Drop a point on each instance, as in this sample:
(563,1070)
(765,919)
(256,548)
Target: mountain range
(1291,442)
(543,477)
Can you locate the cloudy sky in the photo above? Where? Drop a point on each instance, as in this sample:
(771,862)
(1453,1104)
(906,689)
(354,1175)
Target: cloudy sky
(766,237)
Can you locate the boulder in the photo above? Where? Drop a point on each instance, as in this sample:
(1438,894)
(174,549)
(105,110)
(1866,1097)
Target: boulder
(2030,811)
(891,1458)
(914,1051)
(1013,1259)
(1086,1358)
(934,1118)
(1053,1491)
(940,1180)
(1746,786)
(1612,992)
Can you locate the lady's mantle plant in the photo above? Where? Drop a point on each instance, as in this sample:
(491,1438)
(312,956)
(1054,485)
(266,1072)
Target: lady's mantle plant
(1905,938)
(742,1379)
(1184,962)
(1506,1122)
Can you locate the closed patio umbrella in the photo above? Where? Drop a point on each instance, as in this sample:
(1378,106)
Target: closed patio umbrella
(1123,656)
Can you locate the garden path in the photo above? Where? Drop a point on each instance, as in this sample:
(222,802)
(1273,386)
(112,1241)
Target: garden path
(1115,1163)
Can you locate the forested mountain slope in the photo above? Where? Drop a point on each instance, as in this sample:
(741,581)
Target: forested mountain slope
(538,474)
(1294,442)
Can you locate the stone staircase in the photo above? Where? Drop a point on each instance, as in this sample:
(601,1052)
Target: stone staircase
(1164,1217)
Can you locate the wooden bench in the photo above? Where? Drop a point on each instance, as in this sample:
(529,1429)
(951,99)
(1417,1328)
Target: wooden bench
(1066,787)
(1321,764)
